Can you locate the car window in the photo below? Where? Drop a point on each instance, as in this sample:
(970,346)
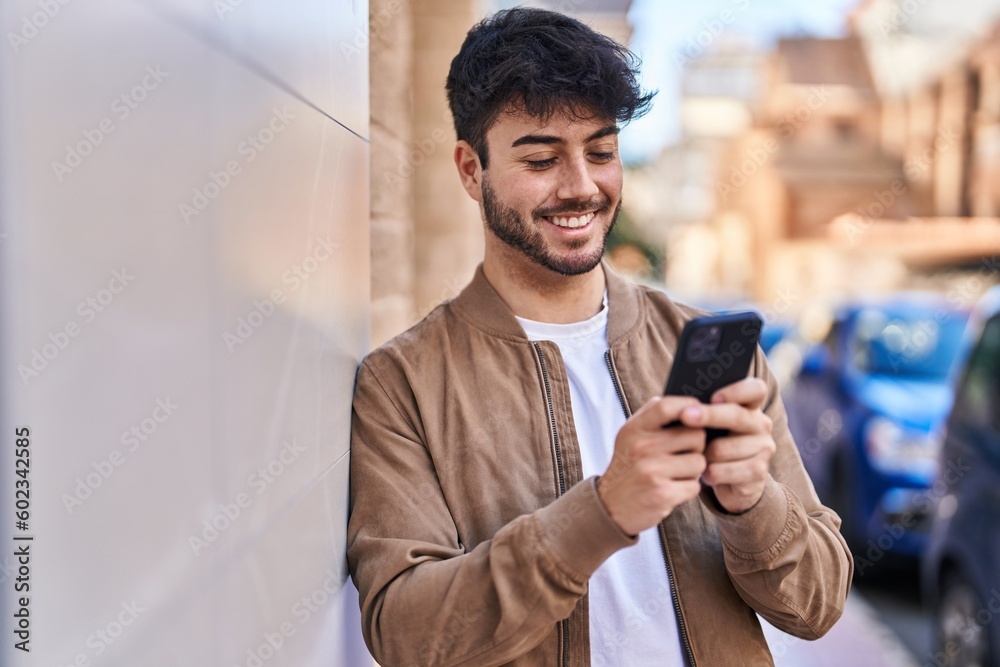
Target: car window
(978,400)
(915,344)
(831,341)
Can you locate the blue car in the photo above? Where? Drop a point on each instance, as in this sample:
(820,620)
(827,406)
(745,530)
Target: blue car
(962,565)
(773,333)
(866,410)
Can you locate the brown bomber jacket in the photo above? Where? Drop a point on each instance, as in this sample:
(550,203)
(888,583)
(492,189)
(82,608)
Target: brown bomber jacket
(472,534)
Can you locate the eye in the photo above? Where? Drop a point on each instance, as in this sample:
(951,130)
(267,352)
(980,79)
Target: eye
(541,164)
(603,157)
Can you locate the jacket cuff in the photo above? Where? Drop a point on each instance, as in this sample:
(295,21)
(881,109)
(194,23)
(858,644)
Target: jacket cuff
(759,528)
(580,531)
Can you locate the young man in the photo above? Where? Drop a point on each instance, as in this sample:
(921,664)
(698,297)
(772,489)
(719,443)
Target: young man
(516,498)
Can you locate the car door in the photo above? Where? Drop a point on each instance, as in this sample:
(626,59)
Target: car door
(970,464)
(814,407)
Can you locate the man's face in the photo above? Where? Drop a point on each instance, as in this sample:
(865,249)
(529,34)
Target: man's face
(553,190)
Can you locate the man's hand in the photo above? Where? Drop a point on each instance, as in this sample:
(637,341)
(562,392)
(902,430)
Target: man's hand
(653,470)
(738,463)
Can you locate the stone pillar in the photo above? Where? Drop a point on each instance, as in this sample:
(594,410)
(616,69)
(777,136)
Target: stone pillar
(950,145)
(449,235)
(392,267)
(921,125)
(984,197)
(893,132)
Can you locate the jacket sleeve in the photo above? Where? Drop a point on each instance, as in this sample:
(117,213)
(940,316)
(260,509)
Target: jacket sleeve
(785,555)
(425,599)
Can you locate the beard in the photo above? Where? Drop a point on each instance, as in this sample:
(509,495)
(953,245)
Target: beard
(510,227)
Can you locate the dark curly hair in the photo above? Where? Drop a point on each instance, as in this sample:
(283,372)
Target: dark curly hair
(541,63)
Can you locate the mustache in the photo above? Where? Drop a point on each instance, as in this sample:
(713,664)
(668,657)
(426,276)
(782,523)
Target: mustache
(599,205)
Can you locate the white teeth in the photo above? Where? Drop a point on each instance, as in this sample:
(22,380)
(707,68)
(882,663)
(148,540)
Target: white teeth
(572,223)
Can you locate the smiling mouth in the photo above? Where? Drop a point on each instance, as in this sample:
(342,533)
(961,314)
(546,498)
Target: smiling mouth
(571,222)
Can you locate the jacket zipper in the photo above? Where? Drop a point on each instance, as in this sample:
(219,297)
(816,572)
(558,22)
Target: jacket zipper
(676,600)
(667,562)
(559,471)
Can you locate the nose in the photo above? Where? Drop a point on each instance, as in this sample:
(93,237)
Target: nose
(577,181)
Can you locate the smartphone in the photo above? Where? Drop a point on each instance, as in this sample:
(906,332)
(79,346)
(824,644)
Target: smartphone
(713,352)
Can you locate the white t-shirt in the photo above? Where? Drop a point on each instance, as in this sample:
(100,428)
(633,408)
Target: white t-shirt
(632,620)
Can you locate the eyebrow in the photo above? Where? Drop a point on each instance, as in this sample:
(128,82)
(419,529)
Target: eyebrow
(548,139)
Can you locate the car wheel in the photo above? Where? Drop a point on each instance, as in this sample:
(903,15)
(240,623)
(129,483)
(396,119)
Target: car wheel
(962,641)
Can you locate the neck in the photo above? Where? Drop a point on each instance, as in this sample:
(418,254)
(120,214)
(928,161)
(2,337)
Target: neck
(536,293)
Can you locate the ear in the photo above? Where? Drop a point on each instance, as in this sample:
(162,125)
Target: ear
(469,170)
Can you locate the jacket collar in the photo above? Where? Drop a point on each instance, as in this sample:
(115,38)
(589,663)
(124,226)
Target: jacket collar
(481,304)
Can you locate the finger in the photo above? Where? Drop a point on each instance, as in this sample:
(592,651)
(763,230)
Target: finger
(673,467)
(665,442)
(687,466)
(739,448)
(684,490)
(736,473)
(729,416)
(660,411)
(749,392)
(690,489)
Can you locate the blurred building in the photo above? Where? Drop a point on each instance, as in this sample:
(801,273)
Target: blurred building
(672,199)
(814,153)
(938,76)
(864,166)
(609,17)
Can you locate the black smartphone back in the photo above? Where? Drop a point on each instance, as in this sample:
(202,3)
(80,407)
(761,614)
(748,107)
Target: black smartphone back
(713,352)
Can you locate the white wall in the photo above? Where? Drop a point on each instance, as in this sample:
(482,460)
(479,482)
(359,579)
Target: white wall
(115,516)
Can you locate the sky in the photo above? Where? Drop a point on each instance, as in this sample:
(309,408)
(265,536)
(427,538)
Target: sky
(665,31)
